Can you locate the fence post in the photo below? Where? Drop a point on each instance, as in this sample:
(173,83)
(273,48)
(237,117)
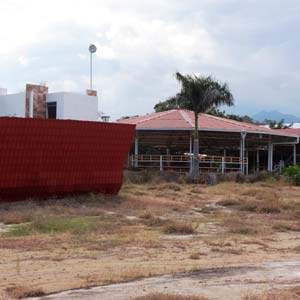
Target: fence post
(160,163)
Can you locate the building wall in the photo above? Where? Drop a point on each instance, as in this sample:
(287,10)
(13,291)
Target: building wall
(71,106)
(75,106)
(13,105)
(39,100)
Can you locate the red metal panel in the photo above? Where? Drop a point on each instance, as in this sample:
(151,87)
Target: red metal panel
(39,157)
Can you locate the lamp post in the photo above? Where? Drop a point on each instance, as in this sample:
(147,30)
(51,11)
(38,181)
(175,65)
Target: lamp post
(92,49)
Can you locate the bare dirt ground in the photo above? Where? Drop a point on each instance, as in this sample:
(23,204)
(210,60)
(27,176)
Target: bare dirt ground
(232,283)
(230,239)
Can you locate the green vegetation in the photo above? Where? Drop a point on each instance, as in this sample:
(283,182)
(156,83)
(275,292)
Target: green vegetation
(292,173)
(74,225)
(198,94)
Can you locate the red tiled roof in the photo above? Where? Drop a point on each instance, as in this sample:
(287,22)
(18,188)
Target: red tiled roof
(295,131)
(184,119)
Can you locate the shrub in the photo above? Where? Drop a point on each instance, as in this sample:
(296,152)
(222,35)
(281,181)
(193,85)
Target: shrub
(251,178)
(292,173)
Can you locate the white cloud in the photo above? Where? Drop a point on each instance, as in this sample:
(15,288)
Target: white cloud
(141,44)
(23,61)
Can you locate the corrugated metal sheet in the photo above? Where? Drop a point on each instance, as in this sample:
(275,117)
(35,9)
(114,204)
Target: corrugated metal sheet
(54,157)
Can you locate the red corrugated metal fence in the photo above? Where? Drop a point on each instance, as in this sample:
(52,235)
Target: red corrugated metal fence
(41,157)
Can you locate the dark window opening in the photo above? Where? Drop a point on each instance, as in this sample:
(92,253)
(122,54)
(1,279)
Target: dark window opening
(51,110)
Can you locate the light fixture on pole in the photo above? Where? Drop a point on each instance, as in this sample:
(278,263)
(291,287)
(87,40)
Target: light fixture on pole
(92,49)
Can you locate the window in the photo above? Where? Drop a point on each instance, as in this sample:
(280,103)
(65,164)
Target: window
(51,110)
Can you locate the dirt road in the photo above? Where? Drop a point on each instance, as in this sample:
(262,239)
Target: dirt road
(216,284)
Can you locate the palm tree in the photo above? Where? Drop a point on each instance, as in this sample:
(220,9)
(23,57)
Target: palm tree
(199,94)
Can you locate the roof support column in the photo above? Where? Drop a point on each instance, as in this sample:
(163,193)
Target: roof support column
(191,152)
(242,151)
(224,161)
(247,164)
(295,154)
(270,155)
(136,150)
(257,160)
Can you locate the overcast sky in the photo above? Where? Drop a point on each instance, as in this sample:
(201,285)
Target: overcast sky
(253,45)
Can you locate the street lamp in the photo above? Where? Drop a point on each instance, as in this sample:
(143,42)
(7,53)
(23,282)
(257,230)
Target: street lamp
(92,49)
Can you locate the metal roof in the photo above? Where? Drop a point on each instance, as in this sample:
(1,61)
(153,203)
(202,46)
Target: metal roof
(180,119)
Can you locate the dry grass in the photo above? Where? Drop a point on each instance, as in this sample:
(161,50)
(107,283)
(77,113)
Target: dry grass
(179,228)
(238,224)
(286,294)
(20,292)
(169,297)
(128,232)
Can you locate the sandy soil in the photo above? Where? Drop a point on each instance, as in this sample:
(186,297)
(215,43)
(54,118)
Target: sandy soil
(221,262)
(215,284)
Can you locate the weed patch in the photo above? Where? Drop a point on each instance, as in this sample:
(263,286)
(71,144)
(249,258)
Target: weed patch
(179,228)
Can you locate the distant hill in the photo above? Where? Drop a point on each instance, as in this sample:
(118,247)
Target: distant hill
(276,116)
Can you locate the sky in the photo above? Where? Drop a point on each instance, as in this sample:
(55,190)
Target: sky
(252,45)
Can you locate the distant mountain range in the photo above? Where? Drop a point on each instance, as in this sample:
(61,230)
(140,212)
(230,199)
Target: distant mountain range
(276,116)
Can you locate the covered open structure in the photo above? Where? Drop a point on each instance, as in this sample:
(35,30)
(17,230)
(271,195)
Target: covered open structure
(165,140)
(291,155)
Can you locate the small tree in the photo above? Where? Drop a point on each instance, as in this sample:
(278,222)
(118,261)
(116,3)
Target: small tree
(199,94)
(273,124)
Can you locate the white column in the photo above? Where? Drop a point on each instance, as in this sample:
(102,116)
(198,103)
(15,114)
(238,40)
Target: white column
(295,155)
(223,165)
(241,155)
(242,151)
(270,155)
(136,150)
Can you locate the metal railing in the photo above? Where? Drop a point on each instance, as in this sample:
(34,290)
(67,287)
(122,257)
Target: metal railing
(182,163)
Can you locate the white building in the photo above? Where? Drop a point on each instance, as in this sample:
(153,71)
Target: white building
(38,103)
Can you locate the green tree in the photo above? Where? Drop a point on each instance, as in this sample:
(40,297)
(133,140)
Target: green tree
(168,104)
(277,125)
(199,94)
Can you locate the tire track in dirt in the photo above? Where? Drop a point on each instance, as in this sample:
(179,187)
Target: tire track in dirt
(215,283)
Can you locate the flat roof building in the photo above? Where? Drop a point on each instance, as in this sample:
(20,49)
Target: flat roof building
(37,102)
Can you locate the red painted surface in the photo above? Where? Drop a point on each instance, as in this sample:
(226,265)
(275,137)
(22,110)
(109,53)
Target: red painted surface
(40,157)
